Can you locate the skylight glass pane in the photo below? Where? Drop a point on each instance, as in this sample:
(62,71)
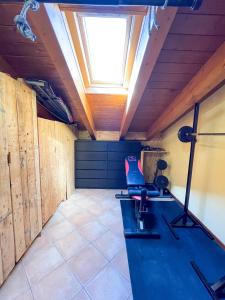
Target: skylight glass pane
(106,41)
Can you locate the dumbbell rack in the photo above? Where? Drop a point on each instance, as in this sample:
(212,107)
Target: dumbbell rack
(159,153)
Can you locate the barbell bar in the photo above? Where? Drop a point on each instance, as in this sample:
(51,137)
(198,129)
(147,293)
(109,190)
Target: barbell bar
(186,134)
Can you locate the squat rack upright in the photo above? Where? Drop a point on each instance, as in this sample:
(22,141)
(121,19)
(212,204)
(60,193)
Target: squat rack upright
(186,220)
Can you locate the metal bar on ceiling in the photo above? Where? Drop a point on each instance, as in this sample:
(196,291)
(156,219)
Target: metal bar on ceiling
(194,4)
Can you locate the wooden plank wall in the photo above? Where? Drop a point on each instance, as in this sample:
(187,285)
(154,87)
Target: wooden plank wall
(29,157)
(70,159)
(25,174)
(7,249)
(20,205)
(56,146)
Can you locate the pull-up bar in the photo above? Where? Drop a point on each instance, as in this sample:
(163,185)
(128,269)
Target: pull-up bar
(194,4)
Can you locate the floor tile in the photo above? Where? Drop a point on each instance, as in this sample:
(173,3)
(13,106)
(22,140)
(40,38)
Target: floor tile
(130,297)
(82,295)
(118,229)
(71,244)
(86,231)
(87,264)
(92,230)
(58,285)
(81,219)
(120,263)
(55,219)
(70,208)
(108,204)
(60,230)
(42,263)
(109,244)
(25,296)
(110,285)
(64,204)
(107,219)
(117,211)
(98,198)
(85,202)
(15,285)
(41,242)
(96,209)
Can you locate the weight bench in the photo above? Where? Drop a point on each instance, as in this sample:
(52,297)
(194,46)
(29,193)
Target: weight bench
(141,195)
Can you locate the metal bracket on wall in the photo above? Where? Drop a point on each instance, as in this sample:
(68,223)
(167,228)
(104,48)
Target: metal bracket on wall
(165,4)
(193,4)
(152,18)
(21,19)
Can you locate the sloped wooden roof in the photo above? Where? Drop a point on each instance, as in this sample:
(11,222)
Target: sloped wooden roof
(28,59)
(193,38)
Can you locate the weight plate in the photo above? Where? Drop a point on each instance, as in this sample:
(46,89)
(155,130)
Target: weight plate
(161,182)
(161,164)
(184,134)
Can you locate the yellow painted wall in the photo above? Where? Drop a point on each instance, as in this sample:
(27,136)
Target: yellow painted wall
(207,199)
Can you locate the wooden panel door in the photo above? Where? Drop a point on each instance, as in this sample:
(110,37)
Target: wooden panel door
(29,160)
(7,247)
(70,159)
(48,171)
(20,200)
(56,146)
(14,166)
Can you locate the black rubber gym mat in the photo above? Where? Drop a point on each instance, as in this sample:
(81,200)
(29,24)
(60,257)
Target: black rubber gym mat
(161,269)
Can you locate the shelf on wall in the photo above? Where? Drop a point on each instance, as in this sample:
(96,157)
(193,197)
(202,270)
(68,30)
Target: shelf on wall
(159,152)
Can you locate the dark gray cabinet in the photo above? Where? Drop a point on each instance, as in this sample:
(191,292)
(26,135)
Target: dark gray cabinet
(100,164)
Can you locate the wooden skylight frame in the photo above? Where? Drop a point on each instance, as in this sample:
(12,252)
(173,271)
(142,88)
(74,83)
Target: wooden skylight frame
(74,21)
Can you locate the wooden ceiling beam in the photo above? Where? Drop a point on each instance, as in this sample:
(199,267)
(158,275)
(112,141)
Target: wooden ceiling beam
(49,26)
(148,52)
(6,68)
(211,75)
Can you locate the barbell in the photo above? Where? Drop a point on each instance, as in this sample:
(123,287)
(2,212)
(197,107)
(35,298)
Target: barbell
(186,134)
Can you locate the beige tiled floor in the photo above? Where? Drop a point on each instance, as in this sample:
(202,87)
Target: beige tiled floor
(80,255)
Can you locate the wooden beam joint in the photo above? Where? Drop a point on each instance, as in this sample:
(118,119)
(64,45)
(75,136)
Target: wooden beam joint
(151,44)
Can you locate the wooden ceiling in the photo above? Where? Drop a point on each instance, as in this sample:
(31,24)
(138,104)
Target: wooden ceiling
(192,39)
(107,110)
(28,59)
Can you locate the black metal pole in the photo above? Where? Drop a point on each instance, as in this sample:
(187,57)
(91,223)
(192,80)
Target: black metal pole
(194,4)
(186,220)
(191,161)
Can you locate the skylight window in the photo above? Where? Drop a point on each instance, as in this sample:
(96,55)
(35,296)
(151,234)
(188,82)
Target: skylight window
(105,45)
(106,48)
